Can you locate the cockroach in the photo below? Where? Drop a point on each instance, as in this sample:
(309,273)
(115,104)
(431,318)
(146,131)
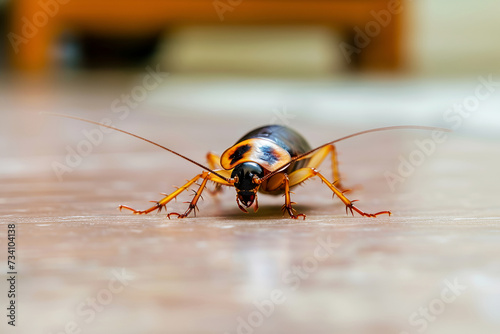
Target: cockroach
(271,159)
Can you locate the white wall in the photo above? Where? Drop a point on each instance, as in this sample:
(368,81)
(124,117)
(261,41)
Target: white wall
(444,38)
(455,36)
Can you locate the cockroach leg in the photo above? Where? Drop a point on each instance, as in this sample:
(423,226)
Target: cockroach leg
(303,174)
(288,203)
(158,207)
(319,156)
(194,201)
(291,211)
(163,202)
(364,214)
(207,176)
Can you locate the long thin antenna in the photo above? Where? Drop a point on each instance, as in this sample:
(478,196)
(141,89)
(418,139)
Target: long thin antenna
(398,127)
(136,136)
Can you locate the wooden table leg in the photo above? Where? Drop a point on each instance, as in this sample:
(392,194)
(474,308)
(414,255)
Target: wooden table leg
(32,36)
(34,32)
(385,49)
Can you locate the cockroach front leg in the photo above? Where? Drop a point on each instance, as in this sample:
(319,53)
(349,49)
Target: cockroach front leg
(206,176)
(288,202)
(319,156)
(163,202)
(192,204)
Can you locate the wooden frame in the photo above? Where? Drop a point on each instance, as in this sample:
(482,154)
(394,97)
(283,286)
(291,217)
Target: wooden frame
(134,17)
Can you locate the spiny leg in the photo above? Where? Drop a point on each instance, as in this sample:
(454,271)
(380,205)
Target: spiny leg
(319,156)
(164,201)
(303,174)
(288,202)
(206,176)
(192,204)
(281,183)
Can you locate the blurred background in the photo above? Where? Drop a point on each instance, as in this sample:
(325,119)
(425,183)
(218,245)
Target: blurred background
(408,60)
(431,38)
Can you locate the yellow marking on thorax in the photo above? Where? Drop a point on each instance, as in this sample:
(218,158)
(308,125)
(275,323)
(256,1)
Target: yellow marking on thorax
(264,152)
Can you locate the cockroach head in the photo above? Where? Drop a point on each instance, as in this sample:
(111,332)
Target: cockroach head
(247,177)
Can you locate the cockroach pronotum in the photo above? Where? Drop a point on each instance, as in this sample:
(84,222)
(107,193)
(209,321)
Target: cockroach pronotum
(271,159)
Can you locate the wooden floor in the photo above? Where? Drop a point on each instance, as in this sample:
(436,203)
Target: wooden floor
(432,267)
